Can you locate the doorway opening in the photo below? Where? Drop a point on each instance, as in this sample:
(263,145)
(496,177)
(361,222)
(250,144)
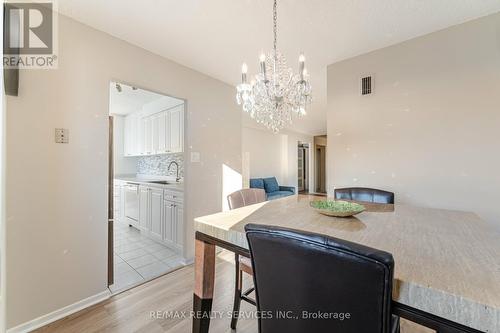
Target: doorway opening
(303,168)
(146,177)
(320,162)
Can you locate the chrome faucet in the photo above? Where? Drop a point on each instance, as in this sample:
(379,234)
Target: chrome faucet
(177,178)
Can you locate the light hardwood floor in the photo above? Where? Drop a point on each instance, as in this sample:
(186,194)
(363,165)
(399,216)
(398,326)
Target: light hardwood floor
(131,310)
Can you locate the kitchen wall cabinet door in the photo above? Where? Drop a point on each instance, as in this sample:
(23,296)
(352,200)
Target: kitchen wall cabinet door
(176,129)
(144,207)
(155,131)
(168,220)
(148,135)
(163,136)
(130,133)
(158,133)
(140,135)
(127,137)
(156,213)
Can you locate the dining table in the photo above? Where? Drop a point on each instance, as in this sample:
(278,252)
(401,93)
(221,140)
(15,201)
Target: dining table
(447,262)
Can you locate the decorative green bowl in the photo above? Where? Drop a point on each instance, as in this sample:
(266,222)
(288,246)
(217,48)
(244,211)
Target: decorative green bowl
(337,208)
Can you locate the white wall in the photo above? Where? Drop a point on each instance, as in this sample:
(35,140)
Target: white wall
(57,193)
(2,195)
(268,154)
(430,132)
(122,165)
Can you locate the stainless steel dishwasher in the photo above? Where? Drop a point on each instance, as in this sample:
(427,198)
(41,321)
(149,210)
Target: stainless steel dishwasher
(132,204)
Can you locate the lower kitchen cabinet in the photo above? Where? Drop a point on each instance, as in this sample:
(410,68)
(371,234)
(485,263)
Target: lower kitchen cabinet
(174,227)
(144,207)
(179,225)
(160,213)
(168,231)
(156,213)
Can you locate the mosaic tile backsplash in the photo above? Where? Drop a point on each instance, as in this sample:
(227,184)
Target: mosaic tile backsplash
(157,165)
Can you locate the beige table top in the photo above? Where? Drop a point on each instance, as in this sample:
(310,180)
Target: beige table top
(446,262)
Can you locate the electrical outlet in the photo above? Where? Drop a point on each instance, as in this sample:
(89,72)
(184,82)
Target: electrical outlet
(62,135)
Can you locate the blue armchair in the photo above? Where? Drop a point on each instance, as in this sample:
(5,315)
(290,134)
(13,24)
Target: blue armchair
(272,188)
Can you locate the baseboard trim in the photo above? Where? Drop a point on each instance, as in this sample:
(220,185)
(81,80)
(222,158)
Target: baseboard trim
(61,313)
(186,262)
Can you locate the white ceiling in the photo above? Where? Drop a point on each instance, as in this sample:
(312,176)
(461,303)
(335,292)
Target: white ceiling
(216,36)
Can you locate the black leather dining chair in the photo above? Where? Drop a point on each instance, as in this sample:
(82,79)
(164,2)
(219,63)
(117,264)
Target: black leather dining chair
(364,194)
(308,282)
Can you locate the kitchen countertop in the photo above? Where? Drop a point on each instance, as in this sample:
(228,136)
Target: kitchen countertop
(144,180)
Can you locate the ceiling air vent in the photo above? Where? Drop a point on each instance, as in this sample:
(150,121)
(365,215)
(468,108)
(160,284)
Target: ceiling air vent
(366,85)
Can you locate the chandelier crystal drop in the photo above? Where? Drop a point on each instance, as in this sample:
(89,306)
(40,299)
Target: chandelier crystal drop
(276,93)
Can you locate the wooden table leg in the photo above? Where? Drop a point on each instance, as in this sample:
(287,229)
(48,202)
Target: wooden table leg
(203,285)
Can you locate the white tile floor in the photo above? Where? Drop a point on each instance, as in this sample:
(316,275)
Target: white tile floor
(138,258)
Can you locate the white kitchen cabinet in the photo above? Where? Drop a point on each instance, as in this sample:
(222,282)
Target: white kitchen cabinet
(173,232)
(168,220)
(154,133)
(163,121)
(147,136)
(144,207)
(176,129)
(179,225)
(174,219)
(156,213)
(130,133)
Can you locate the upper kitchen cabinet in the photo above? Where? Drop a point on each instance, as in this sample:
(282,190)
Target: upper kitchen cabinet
(131,129)
(176,129)
(158,128)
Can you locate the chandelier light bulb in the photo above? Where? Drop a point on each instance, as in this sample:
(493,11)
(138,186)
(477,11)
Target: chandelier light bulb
(302,61)
(262,59)
(244,70)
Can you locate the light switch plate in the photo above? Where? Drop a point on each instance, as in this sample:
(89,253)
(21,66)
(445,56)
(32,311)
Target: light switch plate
(62,135)
(195,157)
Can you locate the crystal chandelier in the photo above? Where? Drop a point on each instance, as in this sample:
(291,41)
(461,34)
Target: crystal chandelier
(276,93)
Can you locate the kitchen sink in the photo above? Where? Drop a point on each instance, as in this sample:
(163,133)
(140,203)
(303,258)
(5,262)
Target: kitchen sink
(164,182)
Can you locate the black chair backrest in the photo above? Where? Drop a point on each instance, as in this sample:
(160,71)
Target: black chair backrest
(313,283)
(364,194)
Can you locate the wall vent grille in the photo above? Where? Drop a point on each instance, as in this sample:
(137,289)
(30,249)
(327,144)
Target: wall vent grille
(366,85)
